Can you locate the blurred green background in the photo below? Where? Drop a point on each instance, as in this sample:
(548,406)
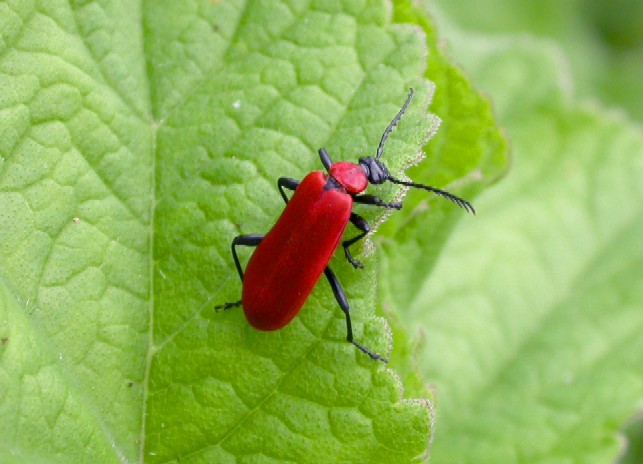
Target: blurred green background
(602,39)
(601,47)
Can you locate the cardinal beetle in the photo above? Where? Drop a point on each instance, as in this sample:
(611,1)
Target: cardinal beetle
(291,257)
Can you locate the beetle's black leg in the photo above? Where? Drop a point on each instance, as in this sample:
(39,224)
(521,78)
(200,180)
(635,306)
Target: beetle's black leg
(375,201)
(226,306)
(325,158)
(245,240)
(340,296)
(286,182)
(359,222)
(255,239)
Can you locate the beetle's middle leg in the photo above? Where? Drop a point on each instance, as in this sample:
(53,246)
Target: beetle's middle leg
(255,239)
(359,222)
(286,182)
(245,240)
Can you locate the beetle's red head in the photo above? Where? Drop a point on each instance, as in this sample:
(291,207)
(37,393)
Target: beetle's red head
(351,176)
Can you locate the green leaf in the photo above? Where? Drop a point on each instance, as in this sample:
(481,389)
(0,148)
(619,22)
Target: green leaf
(41,403)
(532,317)
(135,142)
(75,231)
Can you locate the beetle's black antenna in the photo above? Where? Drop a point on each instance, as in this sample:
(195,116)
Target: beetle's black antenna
(390,127)
(464,204)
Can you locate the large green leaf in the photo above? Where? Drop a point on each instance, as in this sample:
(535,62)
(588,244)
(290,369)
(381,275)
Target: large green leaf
(532,317)
(136,139)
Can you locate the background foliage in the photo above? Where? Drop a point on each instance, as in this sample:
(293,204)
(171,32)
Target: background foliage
(530,322)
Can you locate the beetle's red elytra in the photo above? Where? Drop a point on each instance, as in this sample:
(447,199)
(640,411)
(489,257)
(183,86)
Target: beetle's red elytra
(289,260)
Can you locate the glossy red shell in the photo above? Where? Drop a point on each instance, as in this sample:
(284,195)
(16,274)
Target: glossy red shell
(351,176)
(288,262)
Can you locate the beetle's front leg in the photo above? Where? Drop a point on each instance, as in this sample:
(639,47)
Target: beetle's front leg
(372,200)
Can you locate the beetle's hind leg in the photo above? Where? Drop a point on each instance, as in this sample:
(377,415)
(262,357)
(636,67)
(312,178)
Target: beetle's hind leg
(226,306)
(340,296)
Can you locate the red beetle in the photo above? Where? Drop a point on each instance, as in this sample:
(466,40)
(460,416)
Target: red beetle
(291,257)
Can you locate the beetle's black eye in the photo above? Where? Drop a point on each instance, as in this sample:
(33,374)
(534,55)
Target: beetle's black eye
(363,164)
(374,169)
